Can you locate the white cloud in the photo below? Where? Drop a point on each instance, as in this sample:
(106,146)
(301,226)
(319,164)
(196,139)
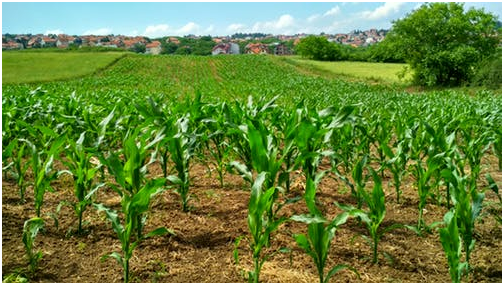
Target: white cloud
(383,11)
(157,30)
(98,32)
(54,32)
(281,25)
(313,18)
(209,29)
(333,12)
(235,28)
(336,10)
(189,28)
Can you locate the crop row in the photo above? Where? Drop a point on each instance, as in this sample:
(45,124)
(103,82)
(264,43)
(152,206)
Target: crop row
(109,138)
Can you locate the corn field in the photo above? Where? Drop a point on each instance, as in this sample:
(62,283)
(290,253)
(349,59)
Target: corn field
(317,166)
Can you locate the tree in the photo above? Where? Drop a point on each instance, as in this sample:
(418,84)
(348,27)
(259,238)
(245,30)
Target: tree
(168,48)
(139,48)
(319,48)
(443,44)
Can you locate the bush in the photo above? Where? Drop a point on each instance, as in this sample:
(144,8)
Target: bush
(489,73)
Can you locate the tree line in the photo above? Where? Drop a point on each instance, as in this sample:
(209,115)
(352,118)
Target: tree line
(443,44)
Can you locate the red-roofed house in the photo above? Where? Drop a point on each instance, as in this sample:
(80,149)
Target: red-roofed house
(257,48)
(153,47)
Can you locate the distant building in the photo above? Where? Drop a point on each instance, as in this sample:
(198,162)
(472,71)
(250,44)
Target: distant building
(281,49)
(153,47)
(226,48)
(257,48)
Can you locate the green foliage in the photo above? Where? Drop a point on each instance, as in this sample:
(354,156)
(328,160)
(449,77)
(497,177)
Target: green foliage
(139,48)
(182,145)
(129,168)
(30,230)
(489,72)
(83,172)
(320,232)
(16,152)
(133,206)
(42,167)
(319,48)
(375,213)
(260,226)
(468,203)
(451,242)
(443,43)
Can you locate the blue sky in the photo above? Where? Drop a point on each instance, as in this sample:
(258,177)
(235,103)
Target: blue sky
(156,19)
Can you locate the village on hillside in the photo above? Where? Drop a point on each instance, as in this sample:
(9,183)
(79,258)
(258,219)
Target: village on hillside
(235,44)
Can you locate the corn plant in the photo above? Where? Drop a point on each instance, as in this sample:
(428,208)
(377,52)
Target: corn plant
(215,137)
(423,176)
(130,172)
(320,232)
(451,242)
(83,173)
(396,163)
(182,145)
(374,215)
(467,204)
(314,133)
(260,226)
(42,166)
(16,150)
(259,114)
(474,147)
(30,230)
(133,206)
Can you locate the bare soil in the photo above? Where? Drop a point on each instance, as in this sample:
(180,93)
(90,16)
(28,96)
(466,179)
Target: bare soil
(202,249)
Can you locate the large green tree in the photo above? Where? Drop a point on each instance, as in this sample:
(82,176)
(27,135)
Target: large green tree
(319,48)
(443,43)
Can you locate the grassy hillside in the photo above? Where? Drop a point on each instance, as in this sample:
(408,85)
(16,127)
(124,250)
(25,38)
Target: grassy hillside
(24,67)
(368,71)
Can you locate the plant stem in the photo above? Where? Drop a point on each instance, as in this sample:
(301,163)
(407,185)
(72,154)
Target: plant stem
(126,270)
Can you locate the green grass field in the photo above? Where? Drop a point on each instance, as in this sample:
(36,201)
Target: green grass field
(26,67)
(369,71)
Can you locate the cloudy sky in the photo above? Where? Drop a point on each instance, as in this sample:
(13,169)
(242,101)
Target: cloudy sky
(156,19)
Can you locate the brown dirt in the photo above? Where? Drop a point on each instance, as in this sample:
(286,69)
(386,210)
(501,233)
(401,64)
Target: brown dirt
(202,250)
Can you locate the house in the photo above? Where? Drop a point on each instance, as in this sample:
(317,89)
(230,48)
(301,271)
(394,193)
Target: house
(153,47)
(173,40)
(11,45)
(257,48)
(35,42)
(281,49)
(226,48)
(49,42)
(63,41)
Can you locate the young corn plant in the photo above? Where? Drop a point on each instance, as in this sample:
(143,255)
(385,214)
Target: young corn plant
(183,146)
(396,163)
(374,215)
(260,226)
(83,172)
(134,205)
(16,150)
(467,204)
(320,232)
(215,138)
(42,166)
(129,168)
(30,230)
(450,239)
(314,133)
(424,185)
